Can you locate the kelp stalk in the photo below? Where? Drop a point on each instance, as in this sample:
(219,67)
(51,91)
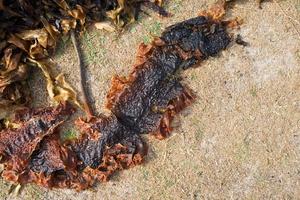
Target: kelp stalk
(86,103)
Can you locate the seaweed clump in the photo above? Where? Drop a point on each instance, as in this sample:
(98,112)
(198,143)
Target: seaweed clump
(144,102)
(147,100)
(31,29)
(18,143)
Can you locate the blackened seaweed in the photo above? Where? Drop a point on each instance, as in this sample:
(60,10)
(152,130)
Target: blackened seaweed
(18,144)
(16,141)
(51,157)
(106,131)
(198,33)
(53,165)
(156,82)
(144,102)
(139,107)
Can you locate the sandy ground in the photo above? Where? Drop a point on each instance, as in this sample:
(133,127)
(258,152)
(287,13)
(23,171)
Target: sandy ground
(239,140)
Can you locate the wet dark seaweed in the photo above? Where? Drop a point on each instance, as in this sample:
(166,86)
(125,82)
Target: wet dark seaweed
(140,106)
(34,124)
(90,150)
(17,144)
(144,102)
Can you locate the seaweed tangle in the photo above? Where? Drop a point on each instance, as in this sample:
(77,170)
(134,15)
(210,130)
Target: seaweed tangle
(145,102)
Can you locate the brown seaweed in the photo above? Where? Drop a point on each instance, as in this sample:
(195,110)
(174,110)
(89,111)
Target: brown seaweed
(30,30)
(54,165)
(30,127)
(145,102)
(151,96)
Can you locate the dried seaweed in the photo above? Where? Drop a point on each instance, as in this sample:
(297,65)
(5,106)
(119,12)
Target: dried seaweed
(145,102)
(31,126)
(30,29)
(58,89)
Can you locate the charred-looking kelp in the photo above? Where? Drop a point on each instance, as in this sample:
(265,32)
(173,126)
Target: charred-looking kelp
(144,102)
(17,143)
